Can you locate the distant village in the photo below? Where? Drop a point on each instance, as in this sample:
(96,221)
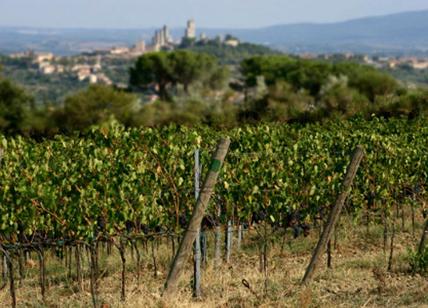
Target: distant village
(47,63)
(380,62)
(92,71)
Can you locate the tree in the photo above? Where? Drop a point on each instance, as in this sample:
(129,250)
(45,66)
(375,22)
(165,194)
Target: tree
(338,97)
(153,70)
(272,68)
(162,71)
(367,80)
(94,106)
(219,78)
(14,106)
(374,83)
(231,55)
(282,103)
(312,75)
(189,67)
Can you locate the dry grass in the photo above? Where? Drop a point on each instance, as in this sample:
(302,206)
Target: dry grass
(358,279)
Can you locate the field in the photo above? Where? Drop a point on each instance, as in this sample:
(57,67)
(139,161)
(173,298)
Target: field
(95,219)
(358,277)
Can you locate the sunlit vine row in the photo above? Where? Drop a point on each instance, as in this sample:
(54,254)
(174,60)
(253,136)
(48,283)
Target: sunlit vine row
(114,180)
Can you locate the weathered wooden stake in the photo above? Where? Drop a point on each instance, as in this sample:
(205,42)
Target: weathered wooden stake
(197,244)
(12,281)
(391,247)
(42,274)
(228,244)
(93,278)
(334,214)
(78,268)
(423,238)
(9,266)
(217,239)
(385,227)
(217,247)
(412,207)
(195,222)
(238,243)
(329,258)
(204,248)
(137,252)
(155,263)
(123,260)
(4,268)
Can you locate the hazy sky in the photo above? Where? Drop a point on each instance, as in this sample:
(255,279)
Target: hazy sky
(207,13)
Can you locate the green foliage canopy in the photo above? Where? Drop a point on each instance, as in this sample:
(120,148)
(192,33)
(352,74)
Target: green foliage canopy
(163,71)
(14,106)
(96,105)
(111,177)
(311,75)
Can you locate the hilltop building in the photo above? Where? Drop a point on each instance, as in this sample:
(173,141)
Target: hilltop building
(43,57)
(119,50)
(233,42)
(162,39)
(190,30)
(97,66)
(203,37)
(139,48)
(46,68)
(418,64)
(25,54)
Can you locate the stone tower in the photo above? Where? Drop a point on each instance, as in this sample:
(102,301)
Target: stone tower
(166,35)
(140,47)
(191,29)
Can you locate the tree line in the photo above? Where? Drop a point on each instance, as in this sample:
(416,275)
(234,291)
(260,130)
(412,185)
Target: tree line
(192,88)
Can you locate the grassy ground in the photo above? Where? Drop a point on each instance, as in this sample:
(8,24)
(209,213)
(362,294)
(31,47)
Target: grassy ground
(358,278)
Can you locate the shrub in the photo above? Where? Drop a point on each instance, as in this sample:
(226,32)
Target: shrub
(419,261)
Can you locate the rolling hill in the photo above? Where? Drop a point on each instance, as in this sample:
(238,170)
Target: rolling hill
(402,33)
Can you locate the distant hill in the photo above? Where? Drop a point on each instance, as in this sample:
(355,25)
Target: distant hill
(399,33)
(67,41)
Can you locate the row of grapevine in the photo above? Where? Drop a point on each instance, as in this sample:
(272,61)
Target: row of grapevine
(114,180)
(123,186)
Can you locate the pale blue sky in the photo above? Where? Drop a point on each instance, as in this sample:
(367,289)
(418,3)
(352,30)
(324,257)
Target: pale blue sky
(207,13)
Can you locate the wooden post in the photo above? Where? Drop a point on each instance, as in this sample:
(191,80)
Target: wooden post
(42,274)
(334,214)
(9,266)
(11,280)
(197,244)
(78,268)
(228,243)
(391,247)
(121,248)
(217,239)
(329,259)
(423,238)
(238,243)
(195,222)
(204,251)
(217,248)
(4,268)
(93,278)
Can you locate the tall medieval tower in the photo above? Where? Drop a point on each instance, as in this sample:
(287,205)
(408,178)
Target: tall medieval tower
(191,29)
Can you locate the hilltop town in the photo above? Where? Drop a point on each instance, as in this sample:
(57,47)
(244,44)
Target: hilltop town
(89,66)
(57,76)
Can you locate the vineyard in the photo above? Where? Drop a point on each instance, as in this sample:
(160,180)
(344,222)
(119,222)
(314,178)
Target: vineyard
(133,191)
